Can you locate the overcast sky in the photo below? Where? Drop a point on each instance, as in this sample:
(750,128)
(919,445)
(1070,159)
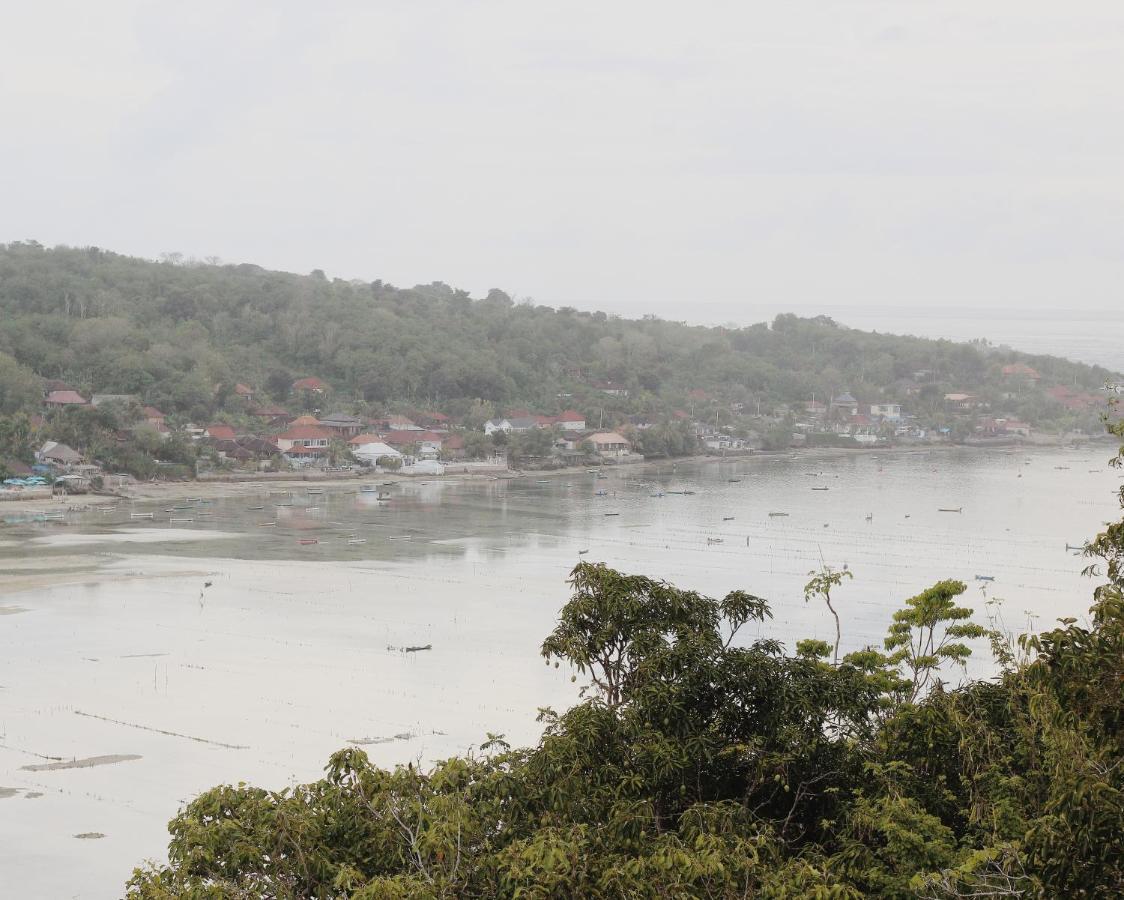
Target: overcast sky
(698,160)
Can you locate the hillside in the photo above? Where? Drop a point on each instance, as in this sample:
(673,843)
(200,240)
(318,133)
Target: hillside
(181,336)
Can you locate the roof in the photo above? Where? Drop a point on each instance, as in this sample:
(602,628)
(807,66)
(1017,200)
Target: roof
(151,412)
(60,452)
(220,432)
(337,419)
(311,383)
(243,389)
(607,437)
(570,415)
(306,420)
(15,467)
(1020,369)
(269,412)
(410,437)
(434,416)
(524,421)
(399,420)
(376,448)
(845,398)
(298,432)
(66,398)
(958,397)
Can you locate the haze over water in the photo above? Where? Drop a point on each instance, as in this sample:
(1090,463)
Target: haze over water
(295,650)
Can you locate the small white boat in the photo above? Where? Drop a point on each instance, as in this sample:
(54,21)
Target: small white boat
(140,515)
(357,540)
(181,520)
(266,524)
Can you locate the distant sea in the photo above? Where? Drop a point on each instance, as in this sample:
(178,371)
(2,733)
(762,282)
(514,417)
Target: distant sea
(1089,336)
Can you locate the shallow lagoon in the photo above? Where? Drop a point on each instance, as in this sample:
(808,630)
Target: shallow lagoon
(294,649)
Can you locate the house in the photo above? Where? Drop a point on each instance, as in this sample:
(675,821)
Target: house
(610,444)
(815,408)
(1071,399)
(611,388)
(342,424)
(723,442)
(303,440)
(64,398)
(890,411)
(245,392)
(453,446)
(845,404)
(153,416)
(570,420)
(219,432)
(433,419)
(1014,426)
(524,423)
(401,423)
(52,453)
(310,385)
(961,401)
(413,439)
(370,448)
(494,425)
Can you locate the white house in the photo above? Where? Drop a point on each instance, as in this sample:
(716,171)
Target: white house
(889,411)
(494,425)
(609,443)
(369,448)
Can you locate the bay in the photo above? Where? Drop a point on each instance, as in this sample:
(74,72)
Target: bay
(162,658)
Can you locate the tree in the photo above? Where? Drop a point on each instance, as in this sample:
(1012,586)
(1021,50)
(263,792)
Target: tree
(821,585)
(929,631)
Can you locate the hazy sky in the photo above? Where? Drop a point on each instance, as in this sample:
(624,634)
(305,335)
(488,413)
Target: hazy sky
(697,160)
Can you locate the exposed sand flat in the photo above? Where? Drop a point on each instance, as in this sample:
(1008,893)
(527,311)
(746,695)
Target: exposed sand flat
(87,763)
(11,610)
(132,536)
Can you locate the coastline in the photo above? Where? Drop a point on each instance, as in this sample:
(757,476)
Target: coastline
(156,491)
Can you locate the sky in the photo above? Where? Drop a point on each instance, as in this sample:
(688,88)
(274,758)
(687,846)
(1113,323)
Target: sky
(704,161)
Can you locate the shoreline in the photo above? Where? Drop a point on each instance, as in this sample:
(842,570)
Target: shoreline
(155,491)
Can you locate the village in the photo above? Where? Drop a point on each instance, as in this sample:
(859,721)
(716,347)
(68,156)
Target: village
(253,436)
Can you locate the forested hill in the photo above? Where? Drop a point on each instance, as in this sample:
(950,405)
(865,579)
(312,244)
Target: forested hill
(171,331)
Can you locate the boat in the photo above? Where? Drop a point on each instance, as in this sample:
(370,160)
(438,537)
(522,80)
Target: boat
(734,480)
(416,649)
(773,515)
(958,509)
(714,540)
(308,541)
(52,515)
(315,491)
(181,520)
(601,493)
(266,524)
(727,518)
(140,515)
(255,507)
(985,578)
(582,552)
(193,499)
(612,514)
(542,481)
(311,508)
(369,489)
(357,540)
(824,488)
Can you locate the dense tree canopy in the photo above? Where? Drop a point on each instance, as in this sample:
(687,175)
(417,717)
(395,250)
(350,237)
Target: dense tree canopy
(170,332)
(700,765)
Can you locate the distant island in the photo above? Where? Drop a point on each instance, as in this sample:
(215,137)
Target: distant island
(173,369)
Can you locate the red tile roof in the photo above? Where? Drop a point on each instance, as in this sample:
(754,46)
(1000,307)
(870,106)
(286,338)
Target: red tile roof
(220,432)
(312,383)
(304,433)
(66,398)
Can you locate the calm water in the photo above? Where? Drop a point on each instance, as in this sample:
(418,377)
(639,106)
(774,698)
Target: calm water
(295,649)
